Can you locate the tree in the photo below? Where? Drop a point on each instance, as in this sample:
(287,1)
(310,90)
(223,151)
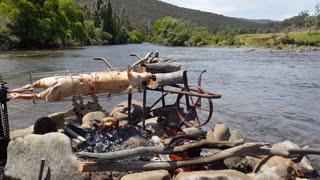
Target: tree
(317,17)
(45,23)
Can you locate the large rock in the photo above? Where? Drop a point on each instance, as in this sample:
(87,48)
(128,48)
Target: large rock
(221,132)
(237,135)
(120,112)
(304,164)
(276,168)
(193,131)
(154,175)
(24,158)
(213,175)
(21,133)
(93,118)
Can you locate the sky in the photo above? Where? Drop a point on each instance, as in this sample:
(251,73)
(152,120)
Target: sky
(251,9)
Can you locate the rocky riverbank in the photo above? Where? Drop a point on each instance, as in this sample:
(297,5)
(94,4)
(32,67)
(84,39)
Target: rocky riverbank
(106,145)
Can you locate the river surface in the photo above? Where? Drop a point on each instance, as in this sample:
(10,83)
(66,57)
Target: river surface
(270,95)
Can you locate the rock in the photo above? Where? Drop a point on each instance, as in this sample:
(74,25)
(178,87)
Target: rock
(21,133)
(210,136)
(304,164)
(193,131)
(275,168)
(58,118)
(221,132)
(93,117)
(120,112)
(213,175)
(155,175)
(241,164)
(237,135)
(24,156)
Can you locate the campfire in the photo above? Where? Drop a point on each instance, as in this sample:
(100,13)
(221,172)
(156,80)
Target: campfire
(137,140)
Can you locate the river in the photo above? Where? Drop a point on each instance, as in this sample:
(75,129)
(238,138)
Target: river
(270,95)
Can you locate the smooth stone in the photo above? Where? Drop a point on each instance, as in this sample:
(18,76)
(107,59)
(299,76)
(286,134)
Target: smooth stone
(276,168)
(210,136)
(120,112)
(154,175)
(193,131)
(24,157)
(237,135)
(21,133)
(93,117)
(213,175)
(221,132)
(304,163)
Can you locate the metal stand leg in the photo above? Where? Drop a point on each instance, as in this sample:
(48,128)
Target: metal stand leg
(4,125)
(129,106)
(144,105)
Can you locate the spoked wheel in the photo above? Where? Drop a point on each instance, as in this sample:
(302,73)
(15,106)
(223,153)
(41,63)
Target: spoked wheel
(194,111)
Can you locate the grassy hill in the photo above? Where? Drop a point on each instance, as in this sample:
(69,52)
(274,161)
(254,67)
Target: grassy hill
(142,13)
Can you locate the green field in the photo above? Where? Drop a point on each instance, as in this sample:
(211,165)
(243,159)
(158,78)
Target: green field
(280,40)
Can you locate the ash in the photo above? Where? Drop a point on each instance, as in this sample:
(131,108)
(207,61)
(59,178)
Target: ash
(102,140)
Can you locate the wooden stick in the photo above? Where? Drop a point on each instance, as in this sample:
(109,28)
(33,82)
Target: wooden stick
(129,153)
(248,149)
(73,133)
(169,165)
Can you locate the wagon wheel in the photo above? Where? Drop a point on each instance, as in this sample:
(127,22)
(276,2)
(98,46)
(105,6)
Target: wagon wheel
(199,111)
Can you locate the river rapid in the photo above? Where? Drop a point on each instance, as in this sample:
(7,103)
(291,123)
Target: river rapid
(270,95)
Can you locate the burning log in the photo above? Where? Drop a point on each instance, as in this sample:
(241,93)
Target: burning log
(139,151)
(248,149)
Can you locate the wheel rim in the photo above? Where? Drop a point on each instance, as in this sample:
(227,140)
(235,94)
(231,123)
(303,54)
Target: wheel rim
(200,110)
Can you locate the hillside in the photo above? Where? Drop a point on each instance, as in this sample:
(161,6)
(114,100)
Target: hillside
(143,13)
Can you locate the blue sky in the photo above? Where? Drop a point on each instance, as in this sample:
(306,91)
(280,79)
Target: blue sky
(251,9)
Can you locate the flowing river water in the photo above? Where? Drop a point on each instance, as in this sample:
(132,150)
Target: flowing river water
(270,95)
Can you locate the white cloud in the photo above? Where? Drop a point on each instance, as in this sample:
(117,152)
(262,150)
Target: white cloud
(253,9)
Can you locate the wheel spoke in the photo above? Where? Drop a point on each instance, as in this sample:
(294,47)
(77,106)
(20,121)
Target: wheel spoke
(201,108)
(186,118)
(197,117)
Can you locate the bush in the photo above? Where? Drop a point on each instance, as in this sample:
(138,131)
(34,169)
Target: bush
(136,37)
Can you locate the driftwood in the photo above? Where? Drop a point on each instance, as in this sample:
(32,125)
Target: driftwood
(129,153)
(248,149)
(165,79)
(162,67)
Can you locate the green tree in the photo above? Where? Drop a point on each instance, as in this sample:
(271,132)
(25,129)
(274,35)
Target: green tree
(45,23)
(135,37)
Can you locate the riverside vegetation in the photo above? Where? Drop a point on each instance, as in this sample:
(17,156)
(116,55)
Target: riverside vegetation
(61,23)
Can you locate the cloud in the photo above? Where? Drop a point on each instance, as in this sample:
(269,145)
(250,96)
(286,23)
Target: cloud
(253,9)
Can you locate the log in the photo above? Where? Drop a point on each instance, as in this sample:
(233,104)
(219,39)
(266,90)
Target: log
(129,153)
(248,149)
(73,133)
(162,67)
(165,79)
(169,165)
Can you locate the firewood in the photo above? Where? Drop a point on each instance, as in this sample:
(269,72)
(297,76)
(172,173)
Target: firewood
(129,153)
(248,149)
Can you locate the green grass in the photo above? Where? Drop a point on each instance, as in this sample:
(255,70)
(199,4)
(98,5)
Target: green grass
(279,40)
